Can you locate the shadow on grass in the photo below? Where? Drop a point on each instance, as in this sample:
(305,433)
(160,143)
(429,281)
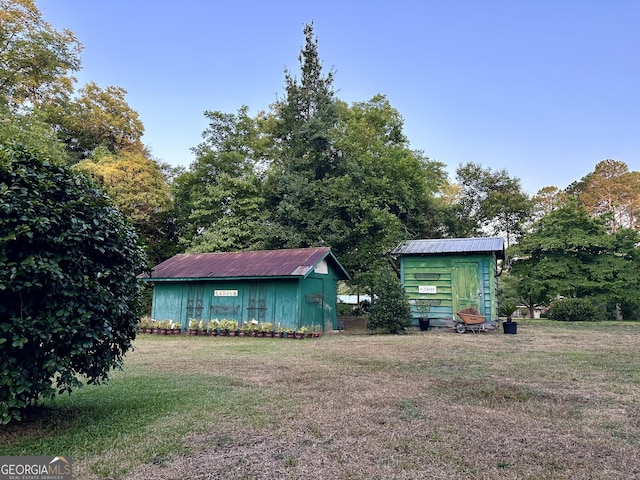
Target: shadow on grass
(94,419)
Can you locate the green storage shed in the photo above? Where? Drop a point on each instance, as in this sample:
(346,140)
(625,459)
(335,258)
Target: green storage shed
(444,276)
(289,288)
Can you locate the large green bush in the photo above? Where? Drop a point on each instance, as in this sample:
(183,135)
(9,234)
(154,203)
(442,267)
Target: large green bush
(69,293)
(390,311)
(575,310)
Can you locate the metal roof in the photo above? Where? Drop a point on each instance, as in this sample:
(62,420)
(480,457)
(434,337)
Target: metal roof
(451,245)
(296,262)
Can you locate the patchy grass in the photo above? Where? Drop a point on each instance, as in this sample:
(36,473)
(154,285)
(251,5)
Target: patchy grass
(556,401)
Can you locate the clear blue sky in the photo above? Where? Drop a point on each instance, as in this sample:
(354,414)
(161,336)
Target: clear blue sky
(543,88)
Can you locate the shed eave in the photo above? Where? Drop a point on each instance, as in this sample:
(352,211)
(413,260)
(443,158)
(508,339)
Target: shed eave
(209,279)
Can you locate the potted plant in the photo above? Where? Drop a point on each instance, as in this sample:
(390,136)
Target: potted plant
(302,332)
(252,328)
(266,328)
(506,309)
(279,331)
(228,327)
(164,326)
(144,325)
(176,328)
(291,332)
(317,331)
(193,326)
(224,327)
(244,329)
(202,327)
(155,327)
(233,328)
(214,327)
(423,307)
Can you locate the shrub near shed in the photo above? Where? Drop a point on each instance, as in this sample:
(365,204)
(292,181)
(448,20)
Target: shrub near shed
(69,292)
(575,310)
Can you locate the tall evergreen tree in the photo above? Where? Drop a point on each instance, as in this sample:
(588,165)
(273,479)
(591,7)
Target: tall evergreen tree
(306,116)
(344,176)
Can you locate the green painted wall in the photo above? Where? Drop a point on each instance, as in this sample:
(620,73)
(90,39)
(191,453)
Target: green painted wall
(449,283)
(284,302)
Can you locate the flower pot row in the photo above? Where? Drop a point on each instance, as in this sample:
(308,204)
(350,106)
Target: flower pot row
(161,331)
(231,333)
(242,333)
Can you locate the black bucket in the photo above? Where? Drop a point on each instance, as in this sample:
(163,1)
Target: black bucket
(424,324)
(510,327)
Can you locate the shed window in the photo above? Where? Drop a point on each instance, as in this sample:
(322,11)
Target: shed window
(427,276)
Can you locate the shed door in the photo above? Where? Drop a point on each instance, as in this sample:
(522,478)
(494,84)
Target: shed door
(257,306)
(195,301)
(313,303)
(465,286)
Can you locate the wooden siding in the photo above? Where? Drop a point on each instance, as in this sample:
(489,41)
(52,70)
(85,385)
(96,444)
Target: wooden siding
(284,302)
(449,283)
(168,302)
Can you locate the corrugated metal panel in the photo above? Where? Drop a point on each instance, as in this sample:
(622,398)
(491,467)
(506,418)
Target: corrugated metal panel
(452,245)
(263,263)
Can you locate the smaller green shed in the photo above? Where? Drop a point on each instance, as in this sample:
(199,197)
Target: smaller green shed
(444,276)
(289,288)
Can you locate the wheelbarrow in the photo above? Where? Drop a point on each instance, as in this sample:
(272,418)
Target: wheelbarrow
(473,322)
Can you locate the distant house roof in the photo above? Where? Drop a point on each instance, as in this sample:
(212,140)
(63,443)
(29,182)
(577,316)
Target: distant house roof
(452,245)
(354,299)
(296,262)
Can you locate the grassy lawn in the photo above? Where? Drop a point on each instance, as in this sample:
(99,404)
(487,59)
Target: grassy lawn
(556,401)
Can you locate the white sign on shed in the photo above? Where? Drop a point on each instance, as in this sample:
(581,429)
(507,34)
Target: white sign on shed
(427,289)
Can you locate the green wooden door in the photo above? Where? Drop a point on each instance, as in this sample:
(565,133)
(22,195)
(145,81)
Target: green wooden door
(195,301)
(257,305)
(465,286)
(312,302)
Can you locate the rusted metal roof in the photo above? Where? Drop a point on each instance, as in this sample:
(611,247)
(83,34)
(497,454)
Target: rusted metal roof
(296,262)
(452,245)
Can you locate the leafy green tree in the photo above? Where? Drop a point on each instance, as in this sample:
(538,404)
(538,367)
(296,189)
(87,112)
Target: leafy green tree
(35,59)
(134,182)
(31,129)
(219,201)
(569,253)
(98,117)
(390,311)
(386,192)
(138,188)
(302,155)
(611,189)
(235,209)
(342,175)
(516,290)
(546,200)
(69,292)
(490,201)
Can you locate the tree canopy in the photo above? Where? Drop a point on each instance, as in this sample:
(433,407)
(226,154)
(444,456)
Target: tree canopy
(490,201)
(570,253)
(36,61)
(310,170)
